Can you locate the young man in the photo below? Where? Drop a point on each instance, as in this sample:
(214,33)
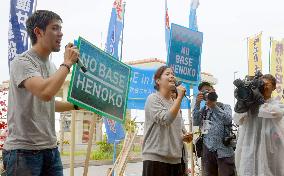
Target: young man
(260,146)
(214,118)
(30,149)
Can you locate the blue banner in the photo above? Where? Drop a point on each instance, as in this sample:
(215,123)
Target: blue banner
(193,26)
(192,20)
(20,10)
(167,25)
(185,53)
(142,85)
(192,15)
(114,130)
(115,28)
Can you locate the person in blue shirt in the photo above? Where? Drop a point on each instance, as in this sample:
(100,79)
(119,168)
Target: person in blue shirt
(214,119)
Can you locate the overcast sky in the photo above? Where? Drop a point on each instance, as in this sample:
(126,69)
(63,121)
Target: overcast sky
(225,24)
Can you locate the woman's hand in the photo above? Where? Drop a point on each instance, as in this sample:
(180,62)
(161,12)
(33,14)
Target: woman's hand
(181,91)
(187,137)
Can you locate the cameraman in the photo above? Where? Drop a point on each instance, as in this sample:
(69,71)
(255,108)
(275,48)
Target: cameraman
(214,118)
(260,146)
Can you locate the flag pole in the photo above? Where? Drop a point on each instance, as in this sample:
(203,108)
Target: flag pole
(270,51)
(247,41)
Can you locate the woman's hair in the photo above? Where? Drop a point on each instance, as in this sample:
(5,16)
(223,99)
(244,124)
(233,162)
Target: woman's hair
(271,78)
(158,75)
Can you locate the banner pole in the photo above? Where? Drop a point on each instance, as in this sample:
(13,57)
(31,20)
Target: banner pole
(191,131)
(114,155)
(270,45)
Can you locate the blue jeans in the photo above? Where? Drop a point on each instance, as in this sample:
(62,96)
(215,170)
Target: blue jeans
(20,162)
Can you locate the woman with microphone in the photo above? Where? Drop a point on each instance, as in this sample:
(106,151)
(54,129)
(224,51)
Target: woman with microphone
(163,136)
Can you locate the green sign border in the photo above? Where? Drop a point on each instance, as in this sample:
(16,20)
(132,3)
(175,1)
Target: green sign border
(88,107)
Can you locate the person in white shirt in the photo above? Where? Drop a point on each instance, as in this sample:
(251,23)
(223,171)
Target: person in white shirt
(260,146)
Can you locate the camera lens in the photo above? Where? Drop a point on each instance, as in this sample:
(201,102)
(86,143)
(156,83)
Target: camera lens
(212,96)
(244,93)
(205,95)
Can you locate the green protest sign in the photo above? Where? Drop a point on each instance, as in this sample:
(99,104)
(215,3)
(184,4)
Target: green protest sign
(103,89)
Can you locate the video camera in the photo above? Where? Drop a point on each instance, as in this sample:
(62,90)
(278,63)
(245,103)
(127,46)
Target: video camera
(248,92)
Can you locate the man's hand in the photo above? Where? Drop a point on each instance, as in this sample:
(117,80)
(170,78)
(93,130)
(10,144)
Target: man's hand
(199,98)
(71,54)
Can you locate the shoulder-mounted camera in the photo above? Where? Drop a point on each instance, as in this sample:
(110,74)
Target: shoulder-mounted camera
(249,92)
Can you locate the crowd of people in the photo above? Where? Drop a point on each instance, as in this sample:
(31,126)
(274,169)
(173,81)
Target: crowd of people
(260,142)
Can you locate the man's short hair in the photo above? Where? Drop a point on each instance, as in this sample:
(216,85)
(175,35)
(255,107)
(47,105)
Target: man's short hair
(202,84)
(40,19)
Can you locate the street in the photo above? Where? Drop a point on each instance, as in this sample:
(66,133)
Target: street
(132,169)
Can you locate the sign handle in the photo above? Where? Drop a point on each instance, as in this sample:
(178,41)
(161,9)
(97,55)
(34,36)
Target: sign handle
(72,143)
(90,142)
(114,154)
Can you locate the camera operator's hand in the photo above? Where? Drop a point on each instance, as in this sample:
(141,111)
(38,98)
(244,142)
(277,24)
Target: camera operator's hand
(181,91)
(71,54)
(199,98)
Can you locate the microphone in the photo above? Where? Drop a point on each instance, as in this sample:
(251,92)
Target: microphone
(81,65)
(178,83)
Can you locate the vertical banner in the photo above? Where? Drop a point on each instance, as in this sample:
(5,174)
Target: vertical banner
(277,65)
(20,10)
(167,25)
(192,15)
(254,54)
(114,129)
(115,28)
